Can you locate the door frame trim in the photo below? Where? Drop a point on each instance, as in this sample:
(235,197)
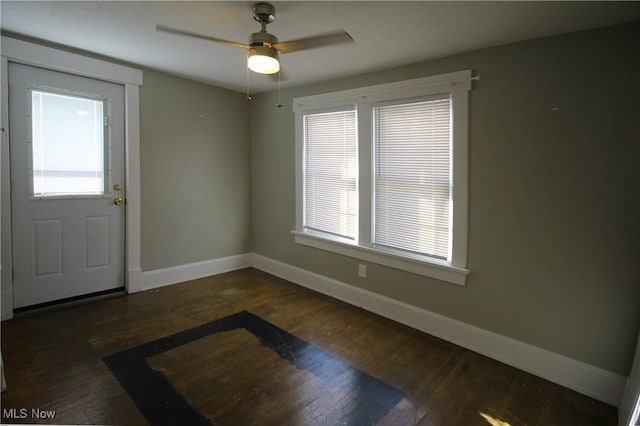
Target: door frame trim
(27,53)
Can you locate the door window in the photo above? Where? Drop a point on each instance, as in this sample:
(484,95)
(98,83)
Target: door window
(68,138)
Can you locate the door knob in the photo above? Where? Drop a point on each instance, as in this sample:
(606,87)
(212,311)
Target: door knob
(117,201)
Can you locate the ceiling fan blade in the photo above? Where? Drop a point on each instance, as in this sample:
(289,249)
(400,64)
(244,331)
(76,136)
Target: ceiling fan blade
(320,40)
(200,36)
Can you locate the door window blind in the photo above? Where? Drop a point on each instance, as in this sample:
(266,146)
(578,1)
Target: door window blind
(412,176)
(330,173)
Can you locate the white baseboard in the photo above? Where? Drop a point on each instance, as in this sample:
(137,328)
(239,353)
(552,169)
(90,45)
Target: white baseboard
(579,376)
(6,304)
(192,271)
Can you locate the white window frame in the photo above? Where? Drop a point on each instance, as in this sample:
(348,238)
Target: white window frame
(457,85)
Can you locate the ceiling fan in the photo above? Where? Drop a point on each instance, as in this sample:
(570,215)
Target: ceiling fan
(264,48)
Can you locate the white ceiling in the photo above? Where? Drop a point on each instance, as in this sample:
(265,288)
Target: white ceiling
(386,34)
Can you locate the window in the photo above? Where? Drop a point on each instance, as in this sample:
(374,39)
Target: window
(330,175)
(412,170)
(382,174)
(68,145)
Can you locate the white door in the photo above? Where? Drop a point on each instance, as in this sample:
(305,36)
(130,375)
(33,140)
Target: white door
(67,185)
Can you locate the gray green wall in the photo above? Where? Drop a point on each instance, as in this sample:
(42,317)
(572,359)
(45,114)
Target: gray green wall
(554,195)
(195,169)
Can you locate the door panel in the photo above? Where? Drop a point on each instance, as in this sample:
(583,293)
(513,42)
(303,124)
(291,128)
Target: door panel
(47,247)
(67,155)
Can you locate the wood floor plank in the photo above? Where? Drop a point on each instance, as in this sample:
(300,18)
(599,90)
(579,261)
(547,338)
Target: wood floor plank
(54,361)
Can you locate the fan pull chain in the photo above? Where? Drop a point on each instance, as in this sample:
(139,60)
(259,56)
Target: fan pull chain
(248,81)
(279,104)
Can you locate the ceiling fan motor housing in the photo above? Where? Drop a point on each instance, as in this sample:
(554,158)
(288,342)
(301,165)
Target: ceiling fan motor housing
(262,38)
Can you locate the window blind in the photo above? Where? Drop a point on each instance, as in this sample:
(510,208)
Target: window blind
(330,173)
(412,176)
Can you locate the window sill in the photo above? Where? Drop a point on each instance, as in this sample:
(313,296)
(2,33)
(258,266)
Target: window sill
(416,264)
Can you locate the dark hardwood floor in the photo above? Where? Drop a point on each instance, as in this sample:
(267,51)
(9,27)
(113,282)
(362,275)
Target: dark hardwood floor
(54,362)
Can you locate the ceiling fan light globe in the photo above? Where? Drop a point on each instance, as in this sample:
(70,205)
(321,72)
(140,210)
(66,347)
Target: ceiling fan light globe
(264,61)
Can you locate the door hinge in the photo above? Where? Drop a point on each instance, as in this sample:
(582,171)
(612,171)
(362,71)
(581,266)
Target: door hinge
(107,121)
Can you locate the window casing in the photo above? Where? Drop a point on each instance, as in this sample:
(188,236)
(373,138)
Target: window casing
(410,164)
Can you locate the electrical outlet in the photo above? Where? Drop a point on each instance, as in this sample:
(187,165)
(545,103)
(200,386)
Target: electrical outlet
(362,270)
